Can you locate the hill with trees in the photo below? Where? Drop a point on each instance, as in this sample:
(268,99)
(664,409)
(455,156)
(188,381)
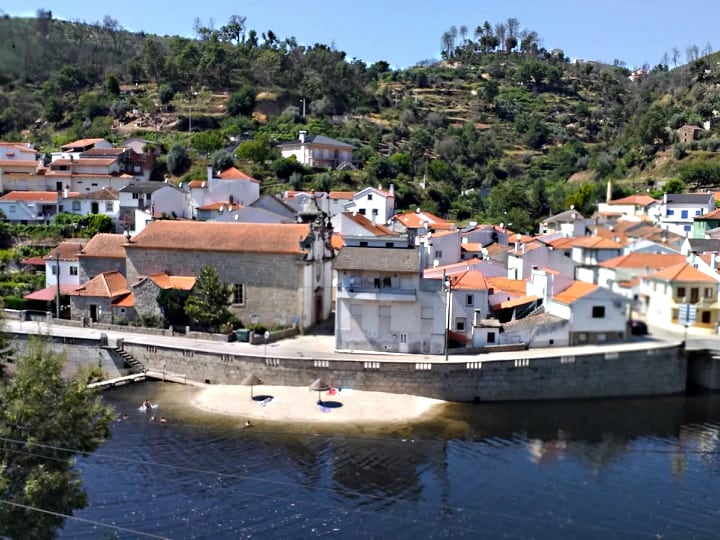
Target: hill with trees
(500,129)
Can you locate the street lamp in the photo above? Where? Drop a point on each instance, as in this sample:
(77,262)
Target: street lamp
(447,286)
(56,258)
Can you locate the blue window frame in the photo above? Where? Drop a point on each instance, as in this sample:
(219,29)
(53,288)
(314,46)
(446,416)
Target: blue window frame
(684,214)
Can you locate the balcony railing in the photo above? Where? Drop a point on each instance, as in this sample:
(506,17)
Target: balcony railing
(376,292)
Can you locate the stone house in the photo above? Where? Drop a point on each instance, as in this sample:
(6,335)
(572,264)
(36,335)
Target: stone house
(145,291)
(280,274)
(687,133)
(105,299)
(103,253)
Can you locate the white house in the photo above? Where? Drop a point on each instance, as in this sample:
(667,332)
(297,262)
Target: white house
(27,207)
(104,201)
(638,205)
(440,248)
(568,223)
(231,186)
(678,210)
(319,151)
(523,257)
(375,204)
(469,304)
(383,305)
(152,199)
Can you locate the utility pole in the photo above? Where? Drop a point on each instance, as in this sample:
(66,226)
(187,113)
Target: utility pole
(303,107)
(447,285)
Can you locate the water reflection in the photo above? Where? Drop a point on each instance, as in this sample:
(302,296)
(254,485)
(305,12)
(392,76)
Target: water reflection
(543,470)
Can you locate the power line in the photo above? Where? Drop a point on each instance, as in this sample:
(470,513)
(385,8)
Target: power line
(82,520)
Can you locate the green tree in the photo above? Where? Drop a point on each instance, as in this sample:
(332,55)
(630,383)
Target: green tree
(172,305)
(258,150)
(206,142)
(112,86)
(209,301)
(178,160)
(166,93)
(222,160)
(242,101)
(53,109)
(45,420)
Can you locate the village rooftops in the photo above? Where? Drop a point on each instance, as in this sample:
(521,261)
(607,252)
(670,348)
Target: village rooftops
(105,285)
(569,216)
(235,174)
(104,194)
(106,246)
(636,200)
(164,281)
(378,259)
(341,195)
(650,261)
(83,162)
(223,237)
(65,251)
(51,197)
(374,229)
(688,198)
(575,292)
(19,163)
(703,245)
(81,144)
(103,152)
(420,219)
(683,272)
(470,280)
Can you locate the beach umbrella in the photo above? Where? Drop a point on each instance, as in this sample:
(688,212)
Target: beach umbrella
(319,386)
(251,380)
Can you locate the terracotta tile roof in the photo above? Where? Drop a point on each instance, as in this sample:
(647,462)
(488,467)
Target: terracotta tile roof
(225,206)
(683,272)
(471,246)
(629,284)
(33,261)
(416,220)
(26,163)
(105,245)
(638,200)
(104,194)
(471,280)
(715,214)
(345,195)
(126,301)
(227,237)
(520,301)
(81,143)
(574,292)
(235,174)
(197,184)
(31,196)
(164,281)
(605,232)
(513,286)
(67,251)
(364,222)
(104,152)
(652,261)
(595,242)
(105,285)
(49,293)
(561,243)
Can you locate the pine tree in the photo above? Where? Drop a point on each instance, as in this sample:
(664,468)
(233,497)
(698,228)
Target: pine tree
(209,301)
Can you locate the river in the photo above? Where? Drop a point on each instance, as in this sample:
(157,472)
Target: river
(625,468)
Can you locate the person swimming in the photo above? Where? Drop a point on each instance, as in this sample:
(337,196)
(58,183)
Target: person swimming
(162,420)
(248,424)
(147,405)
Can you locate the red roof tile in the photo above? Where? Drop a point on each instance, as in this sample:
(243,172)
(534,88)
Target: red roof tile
(652,261)
(67,251)
(105,245)
(105,285)
(683,272)
(227,237)
(574,292)
(81,143)
(235,174)
(31,196)
(638,200)
(164,281)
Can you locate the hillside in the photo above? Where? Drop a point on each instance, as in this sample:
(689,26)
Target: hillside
(498,130)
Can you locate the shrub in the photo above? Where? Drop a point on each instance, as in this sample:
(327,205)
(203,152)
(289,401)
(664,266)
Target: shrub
(14,302)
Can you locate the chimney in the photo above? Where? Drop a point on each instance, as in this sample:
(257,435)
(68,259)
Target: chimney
(209,173)
(608,195)
(665,198)
(66,192)
(301,136)
(391,191)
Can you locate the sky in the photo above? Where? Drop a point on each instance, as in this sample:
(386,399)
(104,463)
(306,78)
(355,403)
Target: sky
(404,32)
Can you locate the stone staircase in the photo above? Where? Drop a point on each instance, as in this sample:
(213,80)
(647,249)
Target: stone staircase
(133,364)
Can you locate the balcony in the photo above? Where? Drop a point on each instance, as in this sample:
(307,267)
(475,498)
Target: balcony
(376,293)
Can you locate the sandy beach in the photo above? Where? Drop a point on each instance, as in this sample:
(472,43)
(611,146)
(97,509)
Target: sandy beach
(299,404)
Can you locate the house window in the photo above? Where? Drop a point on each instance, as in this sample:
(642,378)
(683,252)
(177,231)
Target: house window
(136,195)
(582,337)
(54,269)
(698,212)
(708,293)
(687,228)
(426,313)
(670,212)
(73,270)
(681,292)
(598,312)
(369,197)
(694,295)
(362,211)
(108,207)
(438,254)
(705,317)
(374,211)
(684,214)
(239,294)
(460,324)
(491,337)
(76,206)
(13,208)
(469,300)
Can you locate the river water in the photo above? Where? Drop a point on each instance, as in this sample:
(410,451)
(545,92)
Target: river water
(627,468)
